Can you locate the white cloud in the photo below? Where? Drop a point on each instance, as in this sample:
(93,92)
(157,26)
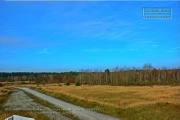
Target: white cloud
(175,49)
(110,50)
(154,45)
(98,50)
(93,50)
(133,49)
(45,51)
(17,41)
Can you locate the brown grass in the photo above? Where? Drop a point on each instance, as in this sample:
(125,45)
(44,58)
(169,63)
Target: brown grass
(120,96)
(5,90)
(128,103)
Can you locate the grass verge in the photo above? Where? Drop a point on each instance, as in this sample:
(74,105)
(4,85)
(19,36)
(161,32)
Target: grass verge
(159,110)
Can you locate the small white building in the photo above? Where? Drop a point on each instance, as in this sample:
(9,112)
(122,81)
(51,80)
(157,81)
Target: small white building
(16,117)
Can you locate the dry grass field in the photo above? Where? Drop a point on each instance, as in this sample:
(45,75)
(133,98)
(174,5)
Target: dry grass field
(120,96)
(124,102)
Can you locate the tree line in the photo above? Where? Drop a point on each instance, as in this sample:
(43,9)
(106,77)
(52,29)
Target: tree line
(147,75)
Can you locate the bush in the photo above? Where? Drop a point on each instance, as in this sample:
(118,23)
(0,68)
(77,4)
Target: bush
(67,83)
(77,83)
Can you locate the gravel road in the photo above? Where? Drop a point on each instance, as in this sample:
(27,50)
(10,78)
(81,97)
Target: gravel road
(82,113)
(19,101)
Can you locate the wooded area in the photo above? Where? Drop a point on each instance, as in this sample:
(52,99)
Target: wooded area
(145,76)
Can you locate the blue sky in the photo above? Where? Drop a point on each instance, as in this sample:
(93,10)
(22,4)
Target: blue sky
(65,36)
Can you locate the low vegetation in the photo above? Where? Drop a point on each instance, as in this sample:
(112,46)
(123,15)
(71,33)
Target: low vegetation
(128,102)
(67,83)
(77,83)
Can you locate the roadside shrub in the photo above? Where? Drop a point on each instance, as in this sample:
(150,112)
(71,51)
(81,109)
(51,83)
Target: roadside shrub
(77,83)
(67,83)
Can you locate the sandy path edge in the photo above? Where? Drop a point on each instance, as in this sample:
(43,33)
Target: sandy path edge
(82,113)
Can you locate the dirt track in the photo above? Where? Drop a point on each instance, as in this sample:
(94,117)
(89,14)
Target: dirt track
(82,113)
(19,101)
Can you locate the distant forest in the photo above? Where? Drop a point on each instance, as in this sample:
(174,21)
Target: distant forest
(118,76)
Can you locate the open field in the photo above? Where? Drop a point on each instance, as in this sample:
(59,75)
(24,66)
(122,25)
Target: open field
(130,102)
(126,102)
(120,96)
